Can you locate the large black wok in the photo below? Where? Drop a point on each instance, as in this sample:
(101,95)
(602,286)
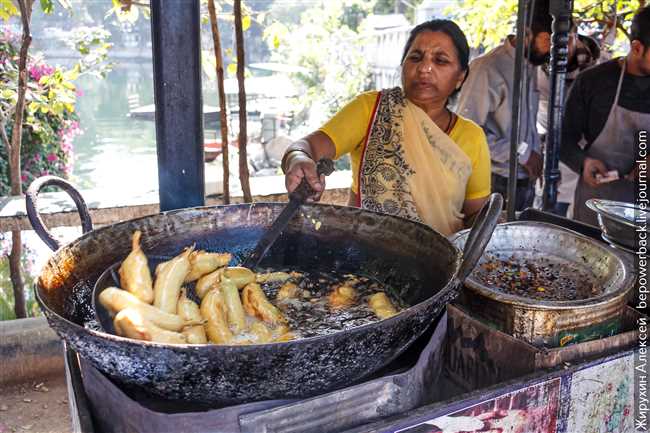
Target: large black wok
(422,265)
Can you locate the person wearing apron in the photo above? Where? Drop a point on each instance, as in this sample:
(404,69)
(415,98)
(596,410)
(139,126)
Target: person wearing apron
(610,147)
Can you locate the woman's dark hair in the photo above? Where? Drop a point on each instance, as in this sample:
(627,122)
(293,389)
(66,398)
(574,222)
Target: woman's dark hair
(452,30)
(541,20)
(640,29)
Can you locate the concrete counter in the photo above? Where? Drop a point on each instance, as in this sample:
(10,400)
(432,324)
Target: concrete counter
(29,349)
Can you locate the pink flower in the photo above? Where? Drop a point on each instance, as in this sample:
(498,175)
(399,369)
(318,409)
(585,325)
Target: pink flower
(38,71)
(23,178)
(47,70)
(52,157)
(79,92)
(34,72)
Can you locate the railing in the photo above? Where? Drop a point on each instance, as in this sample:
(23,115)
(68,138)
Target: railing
(108,207)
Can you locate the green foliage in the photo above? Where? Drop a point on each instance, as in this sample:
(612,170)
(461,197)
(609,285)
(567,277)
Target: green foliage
(6,291)
(486,23)
(127,12)
(50,122)
(47,6)
(332,52)
(383,7)
(592,18)
(249,18)
(7,9)
(92,43)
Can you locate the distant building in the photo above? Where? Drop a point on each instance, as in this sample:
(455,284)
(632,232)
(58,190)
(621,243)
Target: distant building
(389,34)
(384,48)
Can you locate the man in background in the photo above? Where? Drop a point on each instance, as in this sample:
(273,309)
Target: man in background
(486,98)
(607,107)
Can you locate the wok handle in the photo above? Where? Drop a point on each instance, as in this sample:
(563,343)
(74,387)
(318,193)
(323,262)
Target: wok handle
(480,235)
(31,198)
(325,167)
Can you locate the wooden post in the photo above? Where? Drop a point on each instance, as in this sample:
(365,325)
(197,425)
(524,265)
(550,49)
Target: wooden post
(176,46)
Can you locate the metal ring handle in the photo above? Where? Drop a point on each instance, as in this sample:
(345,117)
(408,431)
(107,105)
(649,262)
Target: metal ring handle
(31,198)
(480,235)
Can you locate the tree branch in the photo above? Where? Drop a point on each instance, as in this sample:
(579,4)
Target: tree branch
(243,159)
(216,39)
(14,157)
(619,26)
(608,21)
(16,274)
(17,132)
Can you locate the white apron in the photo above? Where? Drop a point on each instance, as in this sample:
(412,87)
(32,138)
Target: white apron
(615,147)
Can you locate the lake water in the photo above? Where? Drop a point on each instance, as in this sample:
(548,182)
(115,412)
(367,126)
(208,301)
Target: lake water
(116,152)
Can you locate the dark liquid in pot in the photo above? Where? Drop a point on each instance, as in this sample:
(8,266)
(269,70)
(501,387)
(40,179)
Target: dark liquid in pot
(540,279)
(310,314)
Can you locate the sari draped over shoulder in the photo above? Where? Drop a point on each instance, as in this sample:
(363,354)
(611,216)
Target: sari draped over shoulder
(410,167)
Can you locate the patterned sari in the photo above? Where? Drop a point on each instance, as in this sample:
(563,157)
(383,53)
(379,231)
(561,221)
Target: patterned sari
(410,167)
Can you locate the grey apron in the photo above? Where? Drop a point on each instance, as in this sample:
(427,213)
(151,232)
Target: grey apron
(614,146)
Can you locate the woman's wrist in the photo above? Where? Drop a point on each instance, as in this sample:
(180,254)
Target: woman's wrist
(290,155)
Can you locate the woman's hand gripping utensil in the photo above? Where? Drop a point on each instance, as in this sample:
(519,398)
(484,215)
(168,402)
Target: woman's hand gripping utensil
(296,199)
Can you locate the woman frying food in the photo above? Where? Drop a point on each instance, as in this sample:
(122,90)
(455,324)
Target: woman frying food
(411,155)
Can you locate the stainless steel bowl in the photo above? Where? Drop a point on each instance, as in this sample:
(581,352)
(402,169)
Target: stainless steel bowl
(618,221)
(552,323)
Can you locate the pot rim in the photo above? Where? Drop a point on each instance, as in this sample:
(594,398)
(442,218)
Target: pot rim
(534,304)
(596,205)
(451,284)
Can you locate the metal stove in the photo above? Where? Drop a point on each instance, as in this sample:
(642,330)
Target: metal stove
(98,405)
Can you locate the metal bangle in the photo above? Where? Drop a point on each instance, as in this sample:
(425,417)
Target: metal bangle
(285,158)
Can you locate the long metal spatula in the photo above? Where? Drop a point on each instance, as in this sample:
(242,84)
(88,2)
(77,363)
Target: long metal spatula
(296,199)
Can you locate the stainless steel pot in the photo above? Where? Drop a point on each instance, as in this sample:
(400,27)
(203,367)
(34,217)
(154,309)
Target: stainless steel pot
(618,221)
(552,323)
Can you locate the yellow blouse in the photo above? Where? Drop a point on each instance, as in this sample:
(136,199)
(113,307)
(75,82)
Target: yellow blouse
(349,127)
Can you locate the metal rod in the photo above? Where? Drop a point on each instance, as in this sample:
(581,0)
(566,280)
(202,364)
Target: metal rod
(176,45)
(516,108)
(561,12)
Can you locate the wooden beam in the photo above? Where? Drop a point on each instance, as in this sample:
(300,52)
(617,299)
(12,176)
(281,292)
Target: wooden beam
(59,211)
